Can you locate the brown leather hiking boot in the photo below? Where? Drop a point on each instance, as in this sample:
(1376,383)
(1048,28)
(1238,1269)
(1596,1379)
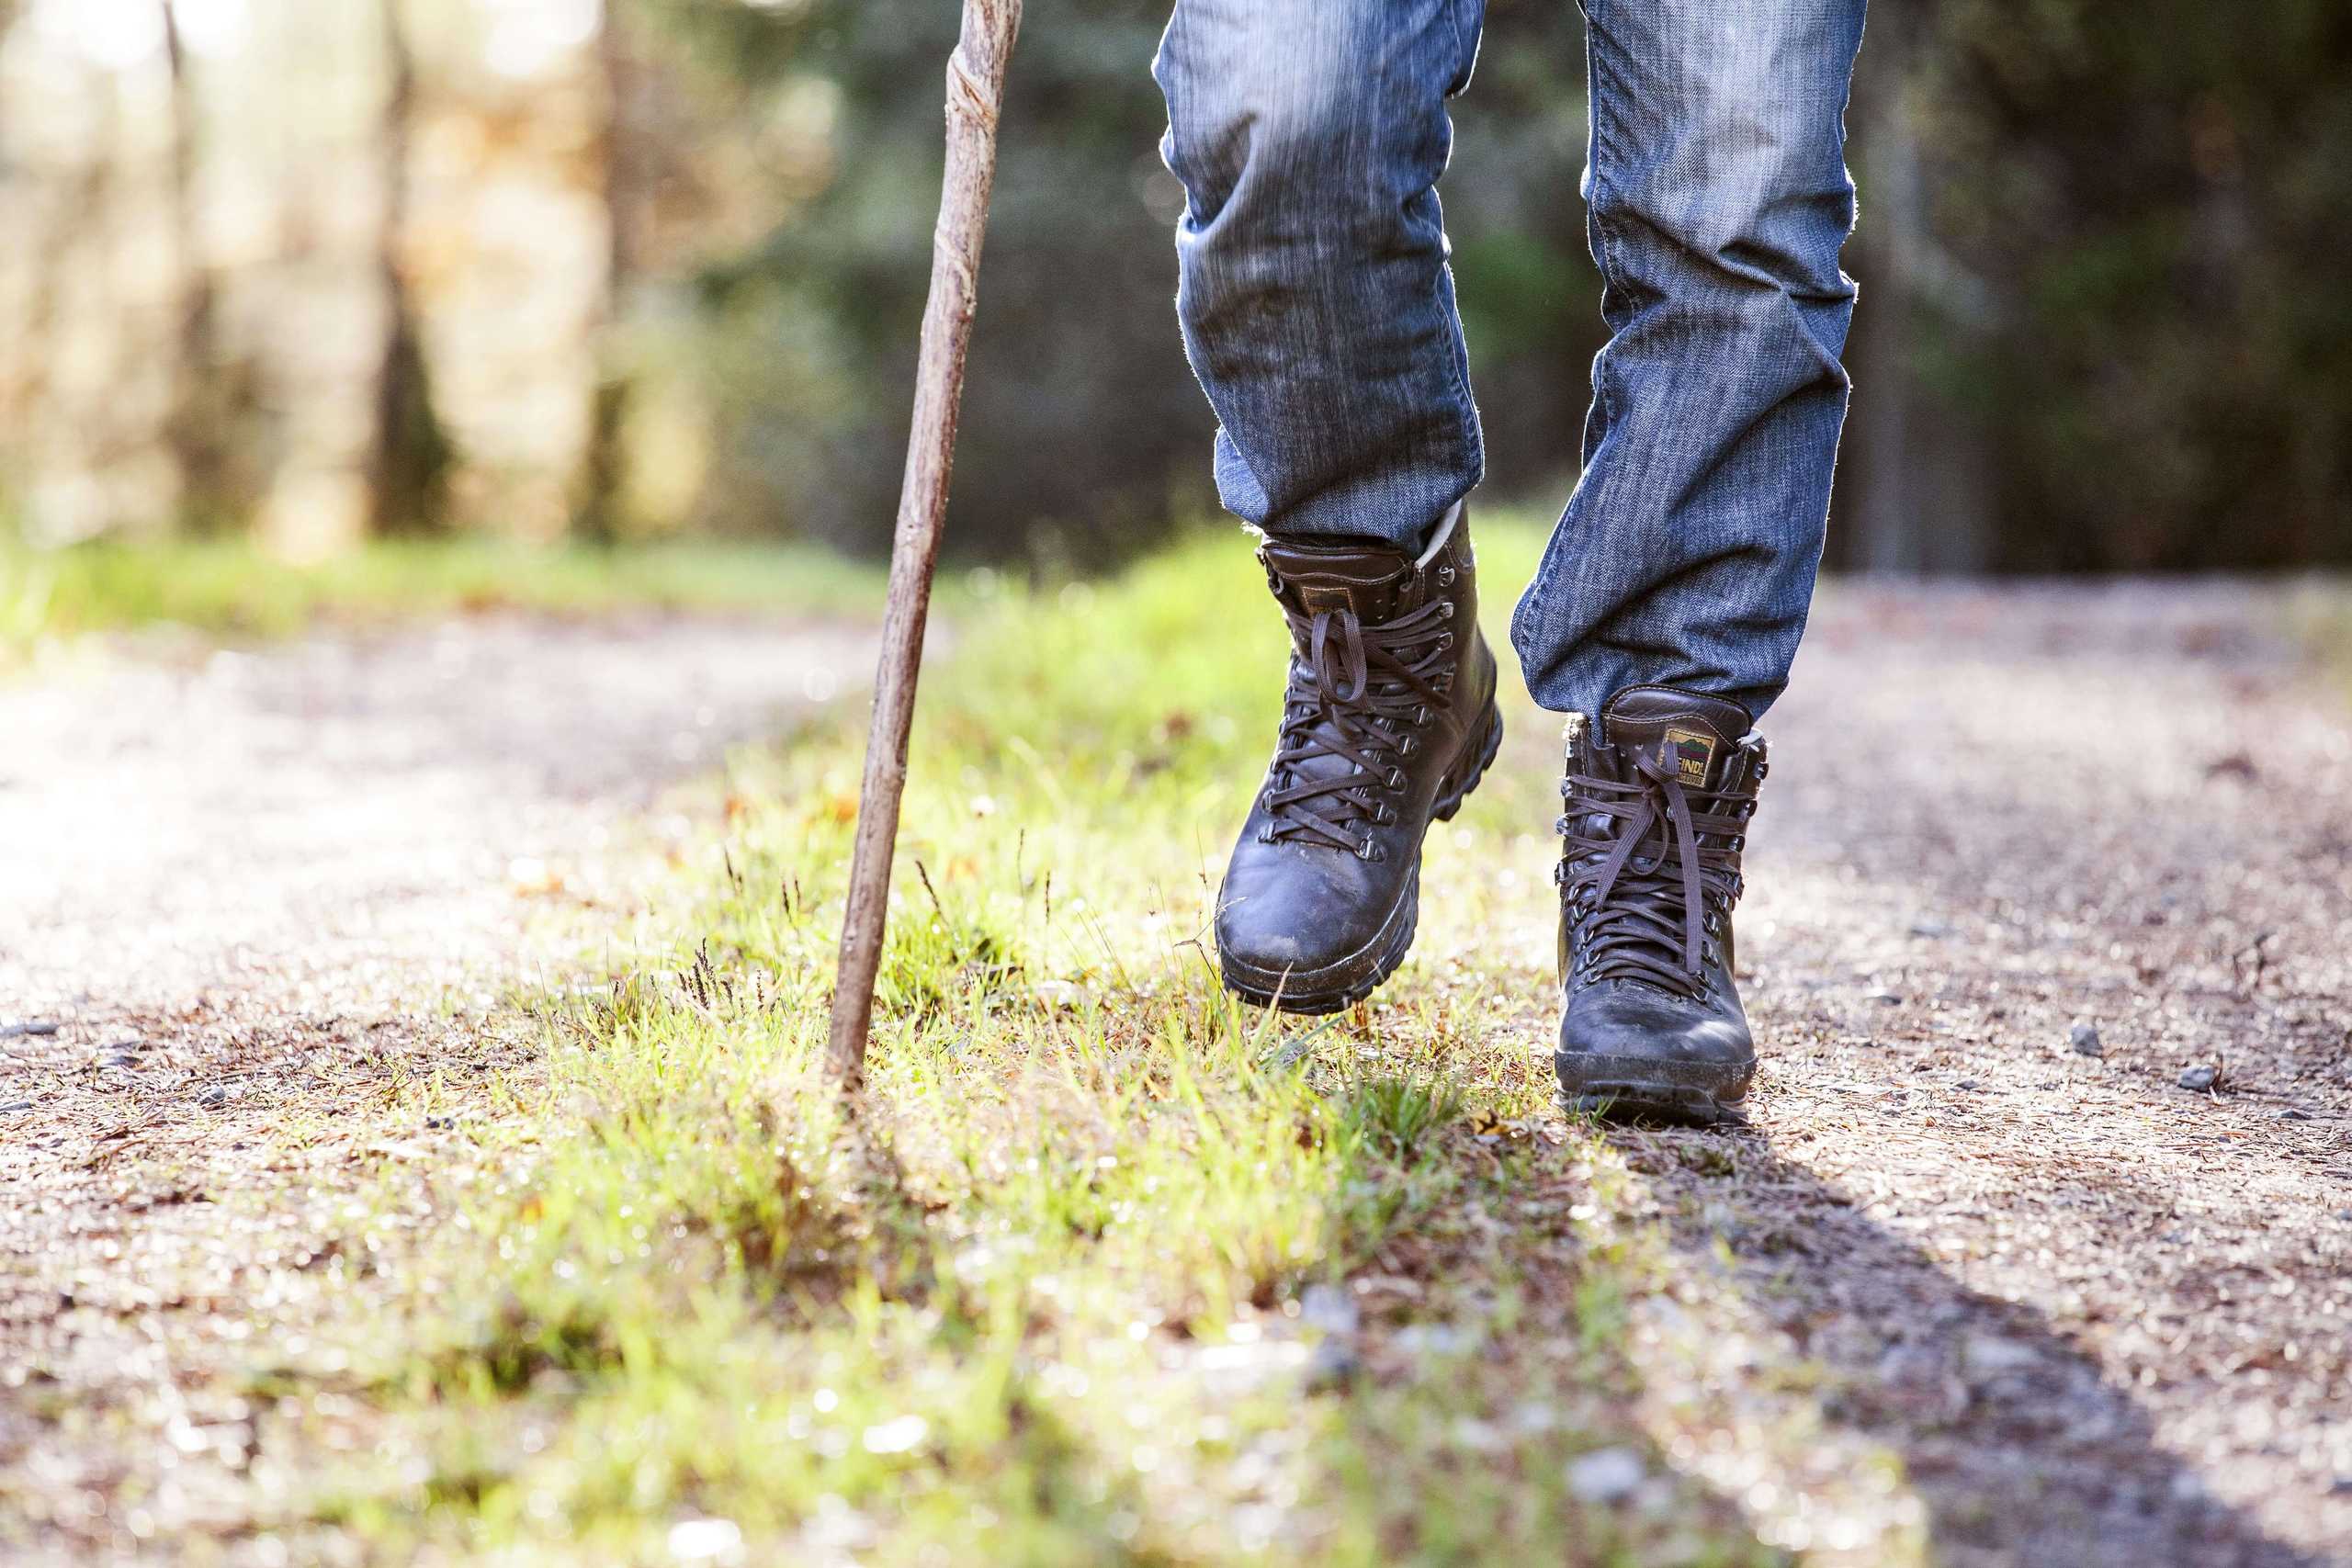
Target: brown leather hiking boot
(1658,799)
(1388,721)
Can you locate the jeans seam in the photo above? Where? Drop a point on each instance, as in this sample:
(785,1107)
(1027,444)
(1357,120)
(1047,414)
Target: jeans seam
(1548,566)
(1610,268)
(1465,44)
(1471,437)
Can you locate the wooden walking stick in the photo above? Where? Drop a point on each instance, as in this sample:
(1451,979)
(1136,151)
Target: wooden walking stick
(974,93)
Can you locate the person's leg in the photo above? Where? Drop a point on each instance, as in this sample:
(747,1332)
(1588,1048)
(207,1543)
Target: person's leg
(1318,312)
(1316,304)
(1718,200)
(1670,600)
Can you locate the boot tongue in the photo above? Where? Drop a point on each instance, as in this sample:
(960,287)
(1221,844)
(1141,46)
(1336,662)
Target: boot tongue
(1370,580)
(1690,735)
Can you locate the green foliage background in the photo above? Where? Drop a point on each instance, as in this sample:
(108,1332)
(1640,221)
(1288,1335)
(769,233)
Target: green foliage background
(2120,295)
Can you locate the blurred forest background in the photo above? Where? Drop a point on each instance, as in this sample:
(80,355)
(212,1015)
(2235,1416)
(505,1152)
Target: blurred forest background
(323,272)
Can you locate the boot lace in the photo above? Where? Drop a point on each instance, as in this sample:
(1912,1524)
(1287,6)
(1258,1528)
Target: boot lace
(1650,864)
(1359,692)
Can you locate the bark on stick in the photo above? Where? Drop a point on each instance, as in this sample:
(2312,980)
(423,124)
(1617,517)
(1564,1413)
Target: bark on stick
(974,93)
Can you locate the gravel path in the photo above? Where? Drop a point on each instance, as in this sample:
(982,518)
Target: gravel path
(2030,862)
(250,906)
(2095,1317)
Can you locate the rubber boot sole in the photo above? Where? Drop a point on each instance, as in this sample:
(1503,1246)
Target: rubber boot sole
(1645,1089)
(1363,971)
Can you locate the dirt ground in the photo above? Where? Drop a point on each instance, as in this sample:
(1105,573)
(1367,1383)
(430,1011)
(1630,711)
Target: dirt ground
(2098,1318)
(254,910)
(2101,1317)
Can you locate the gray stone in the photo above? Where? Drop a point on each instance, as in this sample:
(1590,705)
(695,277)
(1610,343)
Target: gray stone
(1987,1355)
(1330,1308)
(1607,1475)
(2084,1038)
(2200,1077)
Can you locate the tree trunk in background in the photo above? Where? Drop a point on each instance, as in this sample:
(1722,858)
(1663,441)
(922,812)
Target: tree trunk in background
(408,465)
(1879,524)
(597,518)
(1914,495)
(196,427)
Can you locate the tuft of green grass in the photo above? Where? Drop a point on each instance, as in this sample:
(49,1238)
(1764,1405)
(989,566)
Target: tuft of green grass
(236,589)
(1111,1268)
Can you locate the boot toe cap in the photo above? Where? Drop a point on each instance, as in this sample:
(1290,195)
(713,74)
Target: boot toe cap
(1295,920)
(1621,1020)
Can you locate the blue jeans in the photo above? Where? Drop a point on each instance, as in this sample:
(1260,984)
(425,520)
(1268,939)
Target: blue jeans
(1318,309)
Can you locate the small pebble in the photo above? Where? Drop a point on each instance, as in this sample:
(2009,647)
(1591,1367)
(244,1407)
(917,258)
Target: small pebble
(2292,1114)
(36,1026)
(2084,1038)
(1330,1308)
(1970,1083)
(118,1059)
(1885,998)
(213,1096)
(14,1106)
(2200,1077)
(1606,1475)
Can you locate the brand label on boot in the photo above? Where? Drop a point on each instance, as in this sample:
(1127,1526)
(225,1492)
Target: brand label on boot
(1690,753)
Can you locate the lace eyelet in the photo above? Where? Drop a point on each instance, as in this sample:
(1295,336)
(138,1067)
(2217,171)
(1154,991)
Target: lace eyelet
(1421,714)
(1445,577)
(1444,641)
(1367,851)
(1395,778)
(1411,744)
(1385,816)
(1446,610)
